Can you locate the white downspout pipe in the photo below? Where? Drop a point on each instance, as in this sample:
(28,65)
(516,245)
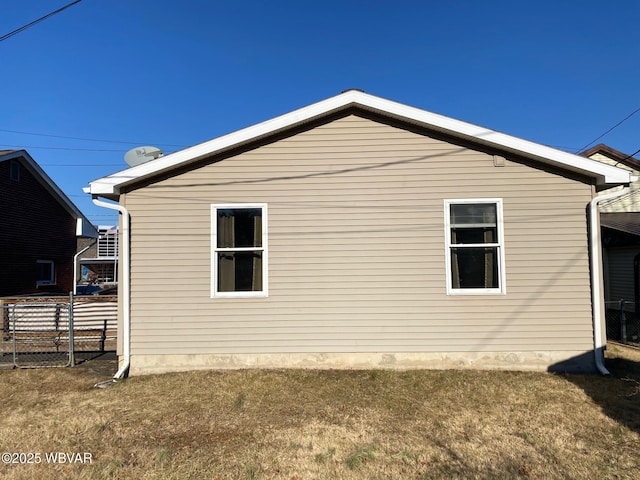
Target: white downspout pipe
(75,265)
(125,284)
(596,261)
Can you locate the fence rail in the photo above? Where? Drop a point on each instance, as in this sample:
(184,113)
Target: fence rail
(623,322)
(39,332)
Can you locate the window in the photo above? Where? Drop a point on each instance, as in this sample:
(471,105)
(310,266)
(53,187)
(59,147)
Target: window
(239,250)
(475,247)
(45,272)
(107,242)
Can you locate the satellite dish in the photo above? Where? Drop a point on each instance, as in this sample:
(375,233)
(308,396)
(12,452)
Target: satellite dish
(139,155)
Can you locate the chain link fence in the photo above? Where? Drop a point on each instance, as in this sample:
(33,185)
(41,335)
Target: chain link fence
(56,332)
(39,334)
(623,322)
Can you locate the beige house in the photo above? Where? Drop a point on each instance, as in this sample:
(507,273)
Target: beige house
(358,232)
(620,219)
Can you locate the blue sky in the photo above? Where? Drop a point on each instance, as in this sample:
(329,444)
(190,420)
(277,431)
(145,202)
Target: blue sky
(175,73)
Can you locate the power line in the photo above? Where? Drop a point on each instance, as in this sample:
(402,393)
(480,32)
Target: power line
(612,128)
(24,27)
(21,147)
(88,139)
(74,165)
(62,148)
(627,157)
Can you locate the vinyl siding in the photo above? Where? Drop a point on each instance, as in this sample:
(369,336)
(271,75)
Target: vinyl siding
(626,203)
(357,252)
(33,226)
(619,266)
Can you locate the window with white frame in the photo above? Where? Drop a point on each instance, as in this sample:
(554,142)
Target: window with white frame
(46,272)
(475,246)
(239,250)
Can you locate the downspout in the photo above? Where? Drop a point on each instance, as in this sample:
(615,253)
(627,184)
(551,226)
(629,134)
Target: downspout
(125,283)
(75,265)
(594,238)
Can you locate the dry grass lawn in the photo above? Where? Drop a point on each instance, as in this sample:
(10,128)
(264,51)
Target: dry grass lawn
(303,424)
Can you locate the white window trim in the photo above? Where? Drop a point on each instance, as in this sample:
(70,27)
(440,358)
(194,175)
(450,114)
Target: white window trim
(53,272)
(214,252)
(502,286)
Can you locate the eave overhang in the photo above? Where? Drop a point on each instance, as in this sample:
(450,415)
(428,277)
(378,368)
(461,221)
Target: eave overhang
(112,185)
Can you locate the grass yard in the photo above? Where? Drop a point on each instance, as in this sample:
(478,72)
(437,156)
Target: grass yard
(300,424)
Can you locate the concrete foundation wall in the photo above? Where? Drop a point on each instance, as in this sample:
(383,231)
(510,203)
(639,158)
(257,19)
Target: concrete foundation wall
(558,361)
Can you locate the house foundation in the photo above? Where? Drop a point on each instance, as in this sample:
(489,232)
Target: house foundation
(565,361)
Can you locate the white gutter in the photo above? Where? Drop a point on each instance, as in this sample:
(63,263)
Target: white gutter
(75,265)
(125,283)
(596,261)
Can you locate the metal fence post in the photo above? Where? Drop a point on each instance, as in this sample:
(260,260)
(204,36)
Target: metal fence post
(103,337)
(13,337)
(623,323)
(6,328)
(71,341)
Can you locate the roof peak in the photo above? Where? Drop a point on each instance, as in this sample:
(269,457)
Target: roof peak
(111,185)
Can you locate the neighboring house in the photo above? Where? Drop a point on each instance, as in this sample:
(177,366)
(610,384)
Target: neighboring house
(358,232)
(99,263)
(40,229)
(620,220)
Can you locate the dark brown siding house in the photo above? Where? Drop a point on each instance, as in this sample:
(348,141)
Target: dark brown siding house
(39,229)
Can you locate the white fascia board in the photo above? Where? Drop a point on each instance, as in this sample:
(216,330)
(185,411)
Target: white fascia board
(603,173)
(109,184)
(84,228)
(457,128)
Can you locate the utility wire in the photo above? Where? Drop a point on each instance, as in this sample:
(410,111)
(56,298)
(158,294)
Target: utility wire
(88,139)
(628,157)
(24,27)
(23,147)
(69,149)
(612,128)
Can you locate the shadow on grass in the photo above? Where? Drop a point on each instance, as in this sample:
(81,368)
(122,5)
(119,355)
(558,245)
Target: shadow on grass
(618,394)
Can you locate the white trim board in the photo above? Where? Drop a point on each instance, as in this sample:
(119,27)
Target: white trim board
(604,174)
(502,275)
(264,248)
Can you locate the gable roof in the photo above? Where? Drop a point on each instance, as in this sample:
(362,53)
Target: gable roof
(612,154)
(84,228)
(111,185)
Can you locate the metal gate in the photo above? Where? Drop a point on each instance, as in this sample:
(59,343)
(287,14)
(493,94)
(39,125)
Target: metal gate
(41,334)
(56,332)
